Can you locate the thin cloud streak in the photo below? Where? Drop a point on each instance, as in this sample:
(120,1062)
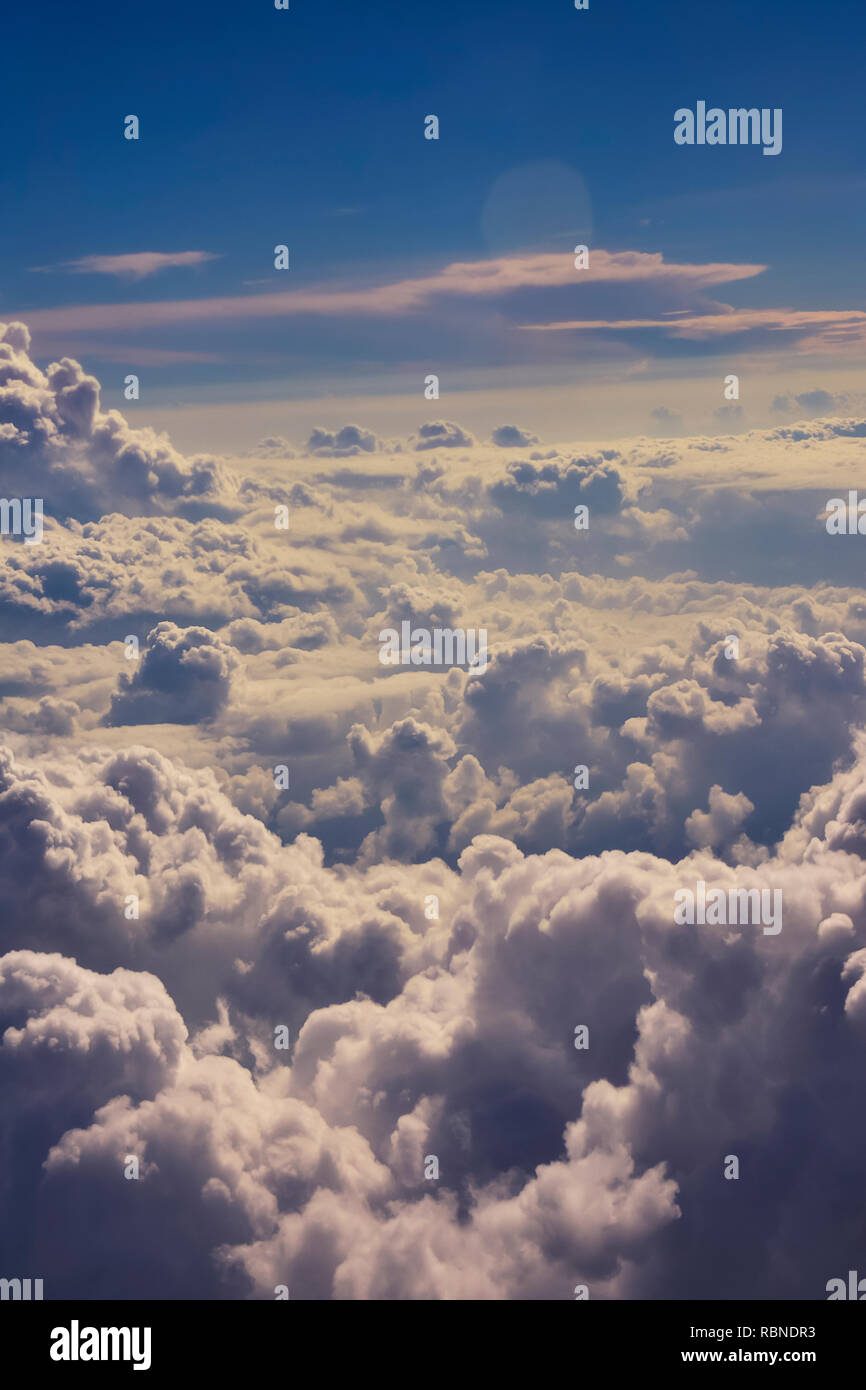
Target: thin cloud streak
(136,265)
(468,279)
(717,325)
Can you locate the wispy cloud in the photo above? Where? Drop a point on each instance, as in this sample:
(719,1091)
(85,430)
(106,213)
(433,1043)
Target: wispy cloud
(135,265)
(134,355)
(489,280)
(838,324)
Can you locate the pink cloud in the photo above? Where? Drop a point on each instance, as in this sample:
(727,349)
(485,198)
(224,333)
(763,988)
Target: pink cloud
(135,265)
(836,324)
(469,279)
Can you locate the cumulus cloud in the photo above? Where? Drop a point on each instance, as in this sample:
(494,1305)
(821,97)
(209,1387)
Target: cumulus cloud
(431,879)
(343,443)
(442,434)
(56,442)
(570,1166)
(817,402)
(713,828)
(546,489)
(510,437)
(183,675)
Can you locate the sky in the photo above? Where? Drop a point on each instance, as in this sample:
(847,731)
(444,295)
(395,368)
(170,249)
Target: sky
(331,977)
(555,129)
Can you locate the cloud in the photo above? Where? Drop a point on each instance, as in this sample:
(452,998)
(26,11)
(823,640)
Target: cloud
(184,675)
(817,402)
(273,446)
(442,434)
(345,443)
(57,442)
(101,1032)
(813,330)
(729,414)
(715,828)
(480,280)
(549,488)
(134,265)
(568,1166)
(436,904)
(668,421)
(510,437)
(468,304)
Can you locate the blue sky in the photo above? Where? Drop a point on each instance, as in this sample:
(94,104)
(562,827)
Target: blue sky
(306,127)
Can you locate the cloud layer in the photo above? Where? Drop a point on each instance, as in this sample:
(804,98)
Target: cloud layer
(226,825)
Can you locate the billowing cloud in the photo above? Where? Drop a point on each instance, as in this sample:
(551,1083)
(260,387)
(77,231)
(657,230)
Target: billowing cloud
(343,443)
(442,434)
(57,443)
(511,437)
(183,675)
(510,1068)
